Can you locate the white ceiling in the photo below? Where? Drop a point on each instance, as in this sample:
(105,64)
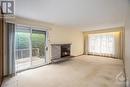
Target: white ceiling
(77,13)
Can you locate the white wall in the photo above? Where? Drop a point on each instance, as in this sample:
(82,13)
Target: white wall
(68,35)
(127,45)
(57,34)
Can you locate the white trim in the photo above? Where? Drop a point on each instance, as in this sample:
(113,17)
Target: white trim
(47,51)
(33,27)
(100,27)
(30,43)
(9,22)
(26,25)
(15,51)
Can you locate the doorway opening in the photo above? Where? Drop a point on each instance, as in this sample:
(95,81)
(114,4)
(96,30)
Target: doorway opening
(30,47)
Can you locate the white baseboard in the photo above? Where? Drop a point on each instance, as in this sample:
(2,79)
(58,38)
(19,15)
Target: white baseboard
(127,83)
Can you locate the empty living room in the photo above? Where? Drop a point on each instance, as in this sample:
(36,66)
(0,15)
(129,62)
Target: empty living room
(64,43)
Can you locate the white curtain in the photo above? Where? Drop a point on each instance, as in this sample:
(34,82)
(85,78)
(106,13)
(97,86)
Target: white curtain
(103,44)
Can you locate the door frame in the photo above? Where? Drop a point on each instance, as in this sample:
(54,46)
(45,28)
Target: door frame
(46,47)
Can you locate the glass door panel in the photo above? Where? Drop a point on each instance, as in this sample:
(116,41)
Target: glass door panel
(38,41)
(30,47)
(22,43)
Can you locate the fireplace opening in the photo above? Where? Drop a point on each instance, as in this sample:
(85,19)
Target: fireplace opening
(65,50)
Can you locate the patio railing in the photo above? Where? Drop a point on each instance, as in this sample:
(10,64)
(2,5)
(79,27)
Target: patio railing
(24,53)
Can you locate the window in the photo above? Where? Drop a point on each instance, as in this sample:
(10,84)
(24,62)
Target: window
(102,44)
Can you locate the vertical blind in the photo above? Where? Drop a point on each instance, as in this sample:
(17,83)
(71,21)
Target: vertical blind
(103,44)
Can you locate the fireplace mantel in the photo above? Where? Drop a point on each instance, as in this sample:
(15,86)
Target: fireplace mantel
(61,44)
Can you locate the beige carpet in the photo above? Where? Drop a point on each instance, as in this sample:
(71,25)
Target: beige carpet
(82,71)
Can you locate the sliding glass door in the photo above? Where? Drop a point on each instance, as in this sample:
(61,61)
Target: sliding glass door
(30,48)
(38,39)
(23,48)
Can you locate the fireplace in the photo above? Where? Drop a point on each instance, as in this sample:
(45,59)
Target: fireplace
(60,52)
(65,50)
